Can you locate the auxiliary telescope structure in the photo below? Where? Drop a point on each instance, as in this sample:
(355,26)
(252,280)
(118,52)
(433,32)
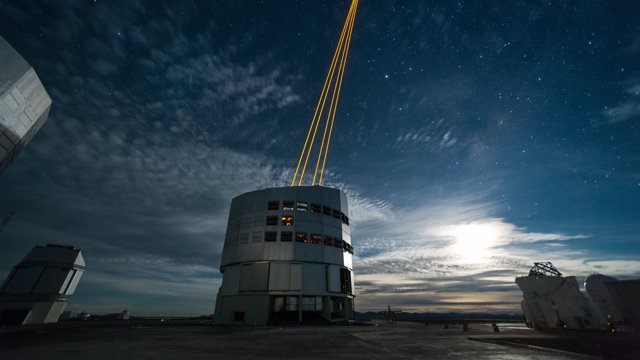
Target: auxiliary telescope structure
(37,289)
(287,253)
(553,301)
(24,104)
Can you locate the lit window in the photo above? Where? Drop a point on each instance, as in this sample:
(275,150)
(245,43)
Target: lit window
(336,214)
(287,220)
(286,236)
(326,210)
(288,205)
(301,237)
(316,208)
(272,220)
(328,240)
(273,205)
(316,239)
(270,236)
(302,206)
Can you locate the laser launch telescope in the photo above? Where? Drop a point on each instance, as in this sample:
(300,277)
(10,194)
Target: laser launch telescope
(287,254)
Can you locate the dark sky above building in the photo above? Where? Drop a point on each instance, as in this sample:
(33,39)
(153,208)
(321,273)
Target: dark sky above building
(472,138)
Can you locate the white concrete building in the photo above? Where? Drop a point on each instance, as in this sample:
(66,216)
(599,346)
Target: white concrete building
(287,257)
(555,301)
(24,103)
(37,289)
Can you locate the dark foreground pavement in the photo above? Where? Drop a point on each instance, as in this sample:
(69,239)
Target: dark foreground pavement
(381,341)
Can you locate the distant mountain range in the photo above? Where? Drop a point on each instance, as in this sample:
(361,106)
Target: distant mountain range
(443,317)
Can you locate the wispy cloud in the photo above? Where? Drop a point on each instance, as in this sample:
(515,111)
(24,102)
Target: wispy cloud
(627,110)
(249,88)
(433,137)
(457,256)
(139,180)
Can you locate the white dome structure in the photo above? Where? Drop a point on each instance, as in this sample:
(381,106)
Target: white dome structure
(555,301)
(287,257)
(596,288)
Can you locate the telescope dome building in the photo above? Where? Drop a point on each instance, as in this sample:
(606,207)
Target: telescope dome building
(287,257)
(287,254)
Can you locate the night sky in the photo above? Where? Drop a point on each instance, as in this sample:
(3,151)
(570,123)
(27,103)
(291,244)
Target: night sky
(472,139)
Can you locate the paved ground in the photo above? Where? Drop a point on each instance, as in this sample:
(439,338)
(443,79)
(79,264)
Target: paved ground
(394,341)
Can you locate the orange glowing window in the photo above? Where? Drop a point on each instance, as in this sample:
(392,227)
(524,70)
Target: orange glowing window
(287,220)
(316,239)
(301,237)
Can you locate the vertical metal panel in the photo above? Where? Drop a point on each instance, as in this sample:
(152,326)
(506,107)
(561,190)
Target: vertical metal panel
(255,277)
(314,278)
(74,282)
(231,281)
(347,260)
(279,276)
(353,284)
(67,282)
(295,277)
(246,277)
(333,278)
(261,277)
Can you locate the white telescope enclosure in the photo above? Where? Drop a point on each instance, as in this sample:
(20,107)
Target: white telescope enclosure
(287,257)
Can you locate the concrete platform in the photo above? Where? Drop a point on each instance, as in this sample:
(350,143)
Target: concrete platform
(378,341)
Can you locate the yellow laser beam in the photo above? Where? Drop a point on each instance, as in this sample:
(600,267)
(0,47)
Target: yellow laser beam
(319,109)
(333,84)
(333,116)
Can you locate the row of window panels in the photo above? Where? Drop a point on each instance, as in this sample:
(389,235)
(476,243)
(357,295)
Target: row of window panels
(290,303)
(271,220)
(286,220)
(303,206)
(300,237)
